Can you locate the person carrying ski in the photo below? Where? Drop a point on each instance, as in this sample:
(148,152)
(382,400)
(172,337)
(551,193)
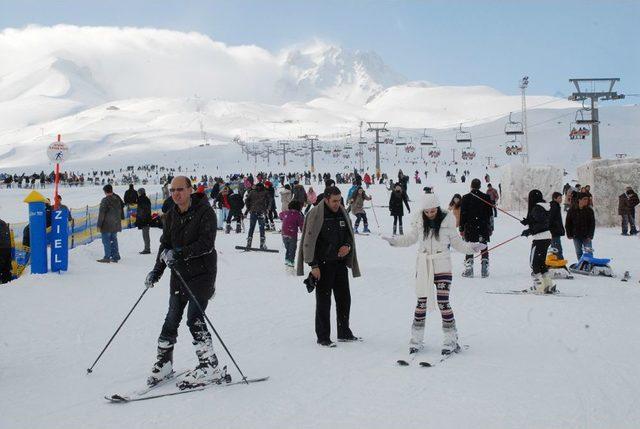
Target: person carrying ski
(357,208)
(396,201)
(187,246)
(435,232)
(538,221)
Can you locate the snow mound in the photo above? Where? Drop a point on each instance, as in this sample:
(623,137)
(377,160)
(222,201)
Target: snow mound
(518,179)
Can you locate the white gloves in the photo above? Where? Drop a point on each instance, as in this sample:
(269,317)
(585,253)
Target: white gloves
(478,247)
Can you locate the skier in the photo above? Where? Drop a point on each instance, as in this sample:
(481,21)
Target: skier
(396,201)
(292,221)
(435,231)
(187,246)
(357,208)
(538,220)
(222,205)
(475,224)
(257,205)
(271,210)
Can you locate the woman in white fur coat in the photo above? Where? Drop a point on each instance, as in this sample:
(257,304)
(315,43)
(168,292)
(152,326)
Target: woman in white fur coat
(435,232)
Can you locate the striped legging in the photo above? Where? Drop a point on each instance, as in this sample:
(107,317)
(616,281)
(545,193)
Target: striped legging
(443,285)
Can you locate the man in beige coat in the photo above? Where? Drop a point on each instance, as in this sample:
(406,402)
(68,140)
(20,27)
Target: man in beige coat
(328,247)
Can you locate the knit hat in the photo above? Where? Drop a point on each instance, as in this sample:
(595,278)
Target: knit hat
(429,201)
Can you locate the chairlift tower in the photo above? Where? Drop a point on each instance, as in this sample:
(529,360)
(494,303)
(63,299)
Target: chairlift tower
(524,83)
(311,139)
(377,127)
(595,96)
(285,149)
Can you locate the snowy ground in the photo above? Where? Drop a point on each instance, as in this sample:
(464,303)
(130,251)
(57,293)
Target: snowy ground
(533,362)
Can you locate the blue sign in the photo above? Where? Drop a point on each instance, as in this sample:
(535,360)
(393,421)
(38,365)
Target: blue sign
(38,237)
(59,240)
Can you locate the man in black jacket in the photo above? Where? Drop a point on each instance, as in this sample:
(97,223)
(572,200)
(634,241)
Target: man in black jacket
(130,196)
(5,252)
(581,224)
(476,217)
(143,219)
(187,246)
(555,224)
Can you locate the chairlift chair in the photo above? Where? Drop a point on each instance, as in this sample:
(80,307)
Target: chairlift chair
(463,136)
(513,128)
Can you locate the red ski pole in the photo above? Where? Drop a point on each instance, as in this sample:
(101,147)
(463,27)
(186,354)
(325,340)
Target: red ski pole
(496,207)
(497,245)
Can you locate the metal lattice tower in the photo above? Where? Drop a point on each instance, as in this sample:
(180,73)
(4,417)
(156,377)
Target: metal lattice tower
(377,127)
(311,139)
(524,82)
(595,96)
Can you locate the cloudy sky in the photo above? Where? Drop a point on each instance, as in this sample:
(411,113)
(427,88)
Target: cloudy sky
(446,42)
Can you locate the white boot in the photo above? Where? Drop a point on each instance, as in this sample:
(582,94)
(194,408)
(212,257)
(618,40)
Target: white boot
(416,343)
(538,285)
(450,342)
(207,371)
(468,268)
(163,368)
(547,282)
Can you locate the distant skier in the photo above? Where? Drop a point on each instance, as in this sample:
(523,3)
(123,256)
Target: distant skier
(187,246)
(538,217)
(357,208)
(396,201)
(435,232)
(257,204)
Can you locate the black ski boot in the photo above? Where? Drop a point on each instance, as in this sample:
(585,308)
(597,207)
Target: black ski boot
(485,268)
(227,229)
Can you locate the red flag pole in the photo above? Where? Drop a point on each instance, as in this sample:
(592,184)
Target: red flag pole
(56,180)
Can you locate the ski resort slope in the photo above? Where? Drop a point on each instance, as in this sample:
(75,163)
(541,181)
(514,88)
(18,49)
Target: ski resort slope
(533,362)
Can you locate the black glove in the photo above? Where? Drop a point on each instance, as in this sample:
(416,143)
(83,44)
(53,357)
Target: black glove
(310,282)
(526,233)
(171,257)
(524,221)
(152,278)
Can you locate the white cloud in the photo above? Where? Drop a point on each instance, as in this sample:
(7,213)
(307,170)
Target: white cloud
(143,62)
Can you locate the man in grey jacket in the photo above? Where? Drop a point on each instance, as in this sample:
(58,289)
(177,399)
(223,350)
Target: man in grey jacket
(109,224)
(328,247)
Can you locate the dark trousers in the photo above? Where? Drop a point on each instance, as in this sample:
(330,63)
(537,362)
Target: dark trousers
(538,256)
(290,244)
(5,265)
(556,242)
(397,219)
(253,218)
(195,319)
(361,216)
(333,277)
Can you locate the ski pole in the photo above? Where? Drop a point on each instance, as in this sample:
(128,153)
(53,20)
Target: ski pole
(374,214)
(195,301)
(90,370)
(497,245)
(495,207)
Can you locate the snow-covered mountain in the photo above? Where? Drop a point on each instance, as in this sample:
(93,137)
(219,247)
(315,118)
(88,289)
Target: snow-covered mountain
(123,92)
(322,70)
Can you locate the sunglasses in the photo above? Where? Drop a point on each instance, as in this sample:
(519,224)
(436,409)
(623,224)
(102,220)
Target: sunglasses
(172,190)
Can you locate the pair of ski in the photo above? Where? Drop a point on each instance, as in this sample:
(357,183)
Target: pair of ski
(256,249)
(142,394)
(426,364)
(528,292)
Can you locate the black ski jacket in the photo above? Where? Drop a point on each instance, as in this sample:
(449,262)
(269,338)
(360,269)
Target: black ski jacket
(396,201)
(555,220)
(475,216)
(580,223)
(193,234)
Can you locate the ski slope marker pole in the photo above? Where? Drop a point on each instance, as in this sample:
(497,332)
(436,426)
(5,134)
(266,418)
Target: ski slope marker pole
(195,301)
(90,370)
